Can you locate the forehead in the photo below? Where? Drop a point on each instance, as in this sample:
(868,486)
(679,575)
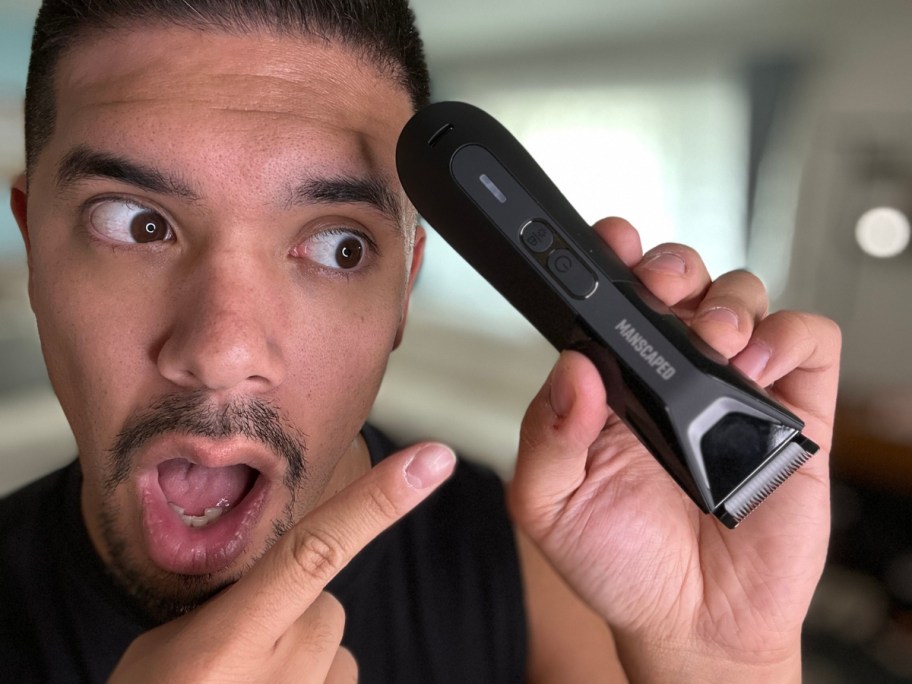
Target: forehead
(264,92)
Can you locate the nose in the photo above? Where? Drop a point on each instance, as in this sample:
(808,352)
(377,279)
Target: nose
(224,325)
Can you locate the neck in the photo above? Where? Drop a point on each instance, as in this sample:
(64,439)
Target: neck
(353,464)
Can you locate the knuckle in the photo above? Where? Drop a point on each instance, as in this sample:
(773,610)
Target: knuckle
(747,278)
(809,326)
(319,630)
(799,324)
(756,281)
(755,289)
(789,320)
(829,327)
(616,227)
(332,617)
(345,666)
(825,331)
(741,288)
(383,504)
(318,555)
(335,609)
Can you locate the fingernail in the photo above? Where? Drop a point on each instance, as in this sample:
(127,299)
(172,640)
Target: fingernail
(666,262)
(753,359)
(562,394)
(429,466)
(721,314)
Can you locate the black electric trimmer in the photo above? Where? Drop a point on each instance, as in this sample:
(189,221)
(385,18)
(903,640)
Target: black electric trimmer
(719,435)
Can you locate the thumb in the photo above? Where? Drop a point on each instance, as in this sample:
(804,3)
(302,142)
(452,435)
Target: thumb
(559,427)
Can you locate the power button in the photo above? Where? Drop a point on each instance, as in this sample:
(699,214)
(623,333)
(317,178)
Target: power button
(575,277)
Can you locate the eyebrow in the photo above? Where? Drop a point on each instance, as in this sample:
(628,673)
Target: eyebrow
(83,163)
(375,192)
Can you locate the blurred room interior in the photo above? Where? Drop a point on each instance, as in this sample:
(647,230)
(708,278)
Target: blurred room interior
(762,132)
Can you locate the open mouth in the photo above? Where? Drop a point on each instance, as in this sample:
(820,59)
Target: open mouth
(201,518)
(200,495)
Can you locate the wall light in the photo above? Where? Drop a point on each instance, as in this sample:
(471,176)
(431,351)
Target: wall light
(883,232)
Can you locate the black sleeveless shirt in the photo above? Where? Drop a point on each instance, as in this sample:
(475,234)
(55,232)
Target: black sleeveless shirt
(437,598)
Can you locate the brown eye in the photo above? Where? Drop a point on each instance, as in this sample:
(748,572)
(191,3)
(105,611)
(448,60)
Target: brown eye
(349,252)
(338,249)
(124,221)
(148,226)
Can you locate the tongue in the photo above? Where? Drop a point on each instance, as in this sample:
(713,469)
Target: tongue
(196,488)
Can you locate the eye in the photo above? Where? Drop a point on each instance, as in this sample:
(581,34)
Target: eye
(125,221)
(338,249)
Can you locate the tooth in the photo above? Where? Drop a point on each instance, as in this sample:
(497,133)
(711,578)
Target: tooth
(198,520)
(209,515)
(213,513)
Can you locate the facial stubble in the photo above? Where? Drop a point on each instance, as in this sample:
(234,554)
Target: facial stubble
(165,595)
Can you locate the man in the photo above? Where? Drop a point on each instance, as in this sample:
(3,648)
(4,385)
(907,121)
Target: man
(220,262)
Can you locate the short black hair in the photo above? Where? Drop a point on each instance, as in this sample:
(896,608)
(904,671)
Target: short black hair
(382,30)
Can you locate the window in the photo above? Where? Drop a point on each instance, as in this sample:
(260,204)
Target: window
(668,156)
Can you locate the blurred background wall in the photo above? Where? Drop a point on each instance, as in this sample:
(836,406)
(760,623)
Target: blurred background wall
(760,131)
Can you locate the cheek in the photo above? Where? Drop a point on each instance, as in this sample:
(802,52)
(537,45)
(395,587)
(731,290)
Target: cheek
(340,365)
(337,364)
(92,350)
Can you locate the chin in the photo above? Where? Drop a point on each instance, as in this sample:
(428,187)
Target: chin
(165,594)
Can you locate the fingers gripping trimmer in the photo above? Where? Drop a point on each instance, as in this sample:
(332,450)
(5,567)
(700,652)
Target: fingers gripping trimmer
(719,435)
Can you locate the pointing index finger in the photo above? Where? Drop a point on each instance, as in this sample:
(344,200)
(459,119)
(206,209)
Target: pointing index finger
(289,577)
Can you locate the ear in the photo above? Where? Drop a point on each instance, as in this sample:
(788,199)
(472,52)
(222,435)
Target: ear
(417,260)
(19,206)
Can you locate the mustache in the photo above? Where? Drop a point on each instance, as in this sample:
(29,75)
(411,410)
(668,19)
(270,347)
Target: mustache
(195,415)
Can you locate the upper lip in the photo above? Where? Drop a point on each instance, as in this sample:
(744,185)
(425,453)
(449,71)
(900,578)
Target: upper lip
(212,453)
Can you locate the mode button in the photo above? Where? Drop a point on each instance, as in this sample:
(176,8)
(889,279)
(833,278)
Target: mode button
(537,236)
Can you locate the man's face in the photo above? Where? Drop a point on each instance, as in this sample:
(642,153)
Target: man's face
(220,264)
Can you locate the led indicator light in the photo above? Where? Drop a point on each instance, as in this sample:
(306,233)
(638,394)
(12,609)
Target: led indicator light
(493,189)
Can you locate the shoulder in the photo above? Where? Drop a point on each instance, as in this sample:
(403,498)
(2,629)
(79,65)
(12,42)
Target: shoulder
(31,520)
(19,510)
(29,524)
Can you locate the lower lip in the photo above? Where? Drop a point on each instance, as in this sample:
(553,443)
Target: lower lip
(177,548)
